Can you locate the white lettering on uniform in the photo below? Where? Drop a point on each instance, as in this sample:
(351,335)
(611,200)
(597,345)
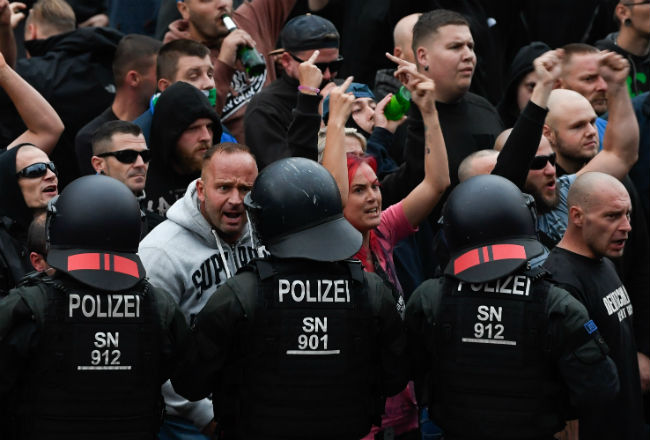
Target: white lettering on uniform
(104,306)
(520,285)
(301,291)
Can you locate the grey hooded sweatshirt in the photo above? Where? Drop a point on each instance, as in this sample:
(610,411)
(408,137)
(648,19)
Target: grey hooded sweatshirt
(186,257)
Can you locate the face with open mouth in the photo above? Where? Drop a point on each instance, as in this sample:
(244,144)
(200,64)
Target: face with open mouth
(37,191)
(541,183)
(224,183)
(607,221)
(206,17)
(363,208)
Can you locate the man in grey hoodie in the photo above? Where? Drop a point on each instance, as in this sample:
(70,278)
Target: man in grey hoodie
(204,241)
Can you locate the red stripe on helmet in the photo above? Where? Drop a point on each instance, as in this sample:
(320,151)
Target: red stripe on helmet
(89,261)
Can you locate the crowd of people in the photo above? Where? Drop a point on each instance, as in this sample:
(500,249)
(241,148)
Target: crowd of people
(219,232)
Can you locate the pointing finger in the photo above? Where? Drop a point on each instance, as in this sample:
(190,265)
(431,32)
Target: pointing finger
(312,58)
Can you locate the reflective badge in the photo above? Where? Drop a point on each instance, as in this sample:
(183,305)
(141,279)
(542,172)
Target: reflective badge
(590,326)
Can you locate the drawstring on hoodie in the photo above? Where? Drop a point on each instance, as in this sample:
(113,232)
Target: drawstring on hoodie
(222,253)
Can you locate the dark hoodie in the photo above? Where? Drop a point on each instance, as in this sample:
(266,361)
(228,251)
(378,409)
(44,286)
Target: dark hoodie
(638,80)
(73,72)
(521,65)
(15,218)
(177,108)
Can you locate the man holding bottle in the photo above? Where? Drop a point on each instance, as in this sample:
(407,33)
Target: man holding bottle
(258,26)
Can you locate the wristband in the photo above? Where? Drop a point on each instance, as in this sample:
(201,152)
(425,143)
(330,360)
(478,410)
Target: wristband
(311,89)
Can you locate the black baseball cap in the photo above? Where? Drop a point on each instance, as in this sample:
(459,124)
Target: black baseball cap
(308,32)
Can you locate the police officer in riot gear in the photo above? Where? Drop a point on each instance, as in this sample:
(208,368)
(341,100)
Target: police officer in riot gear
(496,347)
(302,344)
(83,352)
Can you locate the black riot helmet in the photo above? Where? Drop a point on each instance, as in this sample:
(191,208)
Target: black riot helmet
(93,231)
(489,227)
(295,208)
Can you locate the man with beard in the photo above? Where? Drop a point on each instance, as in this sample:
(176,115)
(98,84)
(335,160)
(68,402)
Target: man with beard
(598,226)
(283,119)
(120,151)
(205,240)
(581,73)
(183,128)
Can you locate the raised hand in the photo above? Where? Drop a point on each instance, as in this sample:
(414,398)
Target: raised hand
(548,66)
(309,75)
(228,52)
(380,117)
(613,68)
(11,13)
(340,103)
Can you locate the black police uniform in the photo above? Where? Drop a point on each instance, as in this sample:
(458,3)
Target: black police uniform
(497,356)
(295,349)
(79,363)
(83,353)
(497,349)
(302,344)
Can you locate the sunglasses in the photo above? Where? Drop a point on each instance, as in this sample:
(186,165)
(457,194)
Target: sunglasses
(334,66)
(539,162)
(129,156)
(38,169)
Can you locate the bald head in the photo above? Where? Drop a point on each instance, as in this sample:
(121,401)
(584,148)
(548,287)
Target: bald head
(563,102)
(477,163)
(599,216)
(589,188)
(403,37)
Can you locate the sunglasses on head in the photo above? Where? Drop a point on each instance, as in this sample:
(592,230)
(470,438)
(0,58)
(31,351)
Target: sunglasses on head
(38,169)
(128,156)
(539,162)
(334,66)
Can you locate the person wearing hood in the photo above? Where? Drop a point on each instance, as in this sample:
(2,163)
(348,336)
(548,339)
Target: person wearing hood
(183,128)
(205,240)
(258,25)
(71,68)
(28,180)
(633,42)
(521,82)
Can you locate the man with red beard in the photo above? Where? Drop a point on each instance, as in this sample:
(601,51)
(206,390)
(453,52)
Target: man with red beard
(205,240)
(183,128)
(598,227)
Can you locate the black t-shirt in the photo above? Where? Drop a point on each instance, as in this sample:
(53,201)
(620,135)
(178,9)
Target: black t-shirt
(595,283)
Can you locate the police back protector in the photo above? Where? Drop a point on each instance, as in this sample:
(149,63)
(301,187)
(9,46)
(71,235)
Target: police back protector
(96,371)
(493,374)
(308,364)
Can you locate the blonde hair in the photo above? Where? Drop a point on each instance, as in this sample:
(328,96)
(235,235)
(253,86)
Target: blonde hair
(348,132)
(53,16)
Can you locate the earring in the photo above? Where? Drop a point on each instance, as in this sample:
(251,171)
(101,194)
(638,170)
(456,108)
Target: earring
(426,68)
(628,22)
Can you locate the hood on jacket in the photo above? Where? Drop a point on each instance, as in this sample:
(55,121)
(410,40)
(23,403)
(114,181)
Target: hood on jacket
(12,202)
(186,213)
(521,65)
(99,41)
(176,109)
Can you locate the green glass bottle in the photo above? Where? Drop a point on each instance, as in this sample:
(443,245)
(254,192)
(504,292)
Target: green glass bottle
(398,105)
(250,57)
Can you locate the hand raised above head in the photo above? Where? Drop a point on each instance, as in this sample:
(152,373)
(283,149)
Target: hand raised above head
(548,66)
(613,67)
(340,105)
